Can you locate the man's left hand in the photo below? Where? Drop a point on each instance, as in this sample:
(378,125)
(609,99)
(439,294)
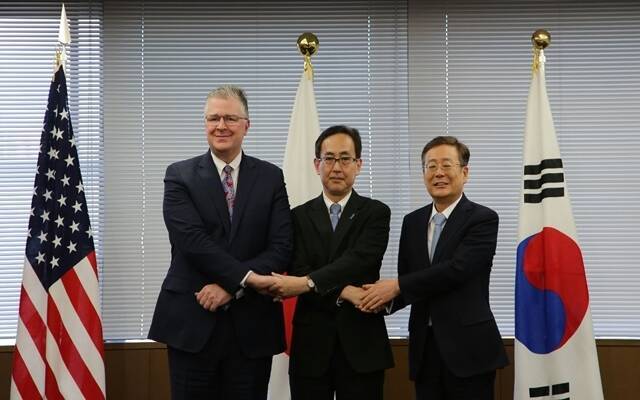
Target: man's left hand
(378,294)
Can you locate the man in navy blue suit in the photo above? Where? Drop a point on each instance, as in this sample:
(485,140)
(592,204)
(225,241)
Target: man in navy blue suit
(444,262)
(229,225)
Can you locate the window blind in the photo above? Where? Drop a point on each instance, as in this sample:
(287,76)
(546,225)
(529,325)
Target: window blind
(28,38)
(470,69)
(161,59)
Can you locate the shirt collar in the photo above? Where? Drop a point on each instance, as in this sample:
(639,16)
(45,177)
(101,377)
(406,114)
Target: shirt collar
(343,202)
(235,163)
(447,211)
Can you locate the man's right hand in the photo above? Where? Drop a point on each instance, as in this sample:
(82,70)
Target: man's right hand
(260,283)
(353,294)
(212,296)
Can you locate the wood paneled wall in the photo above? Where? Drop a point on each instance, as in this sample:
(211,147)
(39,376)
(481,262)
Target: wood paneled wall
(139,371)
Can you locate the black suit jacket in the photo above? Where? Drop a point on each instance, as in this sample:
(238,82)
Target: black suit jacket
(350,255)
(206,247)
(453,289)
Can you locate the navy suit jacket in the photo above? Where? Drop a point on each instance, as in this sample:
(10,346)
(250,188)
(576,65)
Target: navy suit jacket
(452,289)
(206,247)
(352,255)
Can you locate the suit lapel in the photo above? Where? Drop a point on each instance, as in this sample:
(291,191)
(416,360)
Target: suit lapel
(420,232)
(247,175)
(213,187)
(455,221)
(346,220)
(320,220)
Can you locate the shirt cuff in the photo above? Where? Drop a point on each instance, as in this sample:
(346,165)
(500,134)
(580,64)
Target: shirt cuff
(243,282)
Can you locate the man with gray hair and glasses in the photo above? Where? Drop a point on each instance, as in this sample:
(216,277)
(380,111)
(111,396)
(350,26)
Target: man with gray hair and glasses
(444,263)
(229,225)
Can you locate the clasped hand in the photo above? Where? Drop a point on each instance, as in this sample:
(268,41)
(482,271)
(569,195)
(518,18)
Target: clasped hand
(212,296)
(371,298)
(278,286)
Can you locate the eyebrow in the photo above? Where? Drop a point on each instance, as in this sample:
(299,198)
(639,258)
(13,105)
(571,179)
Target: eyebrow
(342,153)
(440,159)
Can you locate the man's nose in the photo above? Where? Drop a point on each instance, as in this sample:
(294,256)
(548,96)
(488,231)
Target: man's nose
(221,121)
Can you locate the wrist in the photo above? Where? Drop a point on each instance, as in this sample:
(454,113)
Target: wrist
(309,284)
(396,287)
(250,280)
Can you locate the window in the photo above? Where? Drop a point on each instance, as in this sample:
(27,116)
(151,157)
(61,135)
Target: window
(28,38)
(162,58)
(470,69)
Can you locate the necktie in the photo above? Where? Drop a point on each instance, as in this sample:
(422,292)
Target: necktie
(334,213)
(227,186)
(438,220)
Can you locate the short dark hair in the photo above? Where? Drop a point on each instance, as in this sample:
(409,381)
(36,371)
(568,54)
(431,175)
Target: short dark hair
(334,130)
(463,150)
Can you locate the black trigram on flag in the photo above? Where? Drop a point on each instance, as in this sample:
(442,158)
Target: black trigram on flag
(559,391)
(549,171)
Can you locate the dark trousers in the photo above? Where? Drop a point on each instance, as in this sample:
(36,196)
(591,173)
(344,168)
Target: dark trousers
(220,371)
(341,379)
(436,382)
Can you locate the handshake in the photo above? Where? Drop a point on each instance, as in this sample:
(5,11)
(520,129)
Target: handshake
(370,298)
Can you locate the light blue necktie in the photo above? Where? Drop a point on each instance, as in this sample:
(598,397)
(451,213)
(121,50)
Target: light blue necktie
(438,220)
(334,213)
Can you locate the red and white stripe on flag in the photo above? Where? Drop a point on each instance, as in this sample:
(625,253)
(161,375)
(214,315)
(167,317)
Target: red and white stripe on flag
(59,347)
(554,347)
(303,184)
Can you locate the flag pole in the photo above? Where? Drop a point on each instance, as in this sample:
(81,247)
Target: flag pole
(64,38)
(308,44)
(540,39)
(302,185)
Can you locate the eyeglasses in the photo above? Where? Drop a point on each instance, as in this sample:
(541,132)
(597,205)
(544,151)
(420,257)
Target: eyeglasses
(330,161)
(229,120)
(432,167)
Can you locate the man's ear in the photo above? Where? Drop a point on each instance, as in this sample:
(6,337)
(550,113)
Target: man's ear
(358,166)
(316,165)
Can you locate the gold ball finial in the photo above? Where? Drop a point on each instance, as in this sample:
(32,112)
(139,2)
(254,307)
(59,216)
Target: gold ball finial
(541,39)
(308,44)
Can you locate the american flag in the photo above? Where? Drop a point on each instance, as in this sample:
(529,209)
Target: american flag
(59,348)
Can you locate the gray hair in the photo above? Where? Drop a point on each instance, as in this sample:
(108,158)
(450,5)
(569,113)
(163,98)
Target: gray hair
(230,91)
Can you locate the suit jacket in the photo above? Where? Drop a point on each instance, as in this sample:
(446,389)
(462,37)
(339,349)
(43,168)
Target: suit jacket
(452,289)
(350,255)
(206,247)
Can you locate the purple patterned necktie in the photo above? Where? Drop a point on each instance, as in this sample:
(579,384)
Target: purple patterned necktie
(227,186)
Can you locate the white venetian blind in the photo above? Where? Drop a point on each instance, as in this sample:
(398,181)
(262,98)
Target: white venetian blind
(28,38)
(470,69)
(161,59)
